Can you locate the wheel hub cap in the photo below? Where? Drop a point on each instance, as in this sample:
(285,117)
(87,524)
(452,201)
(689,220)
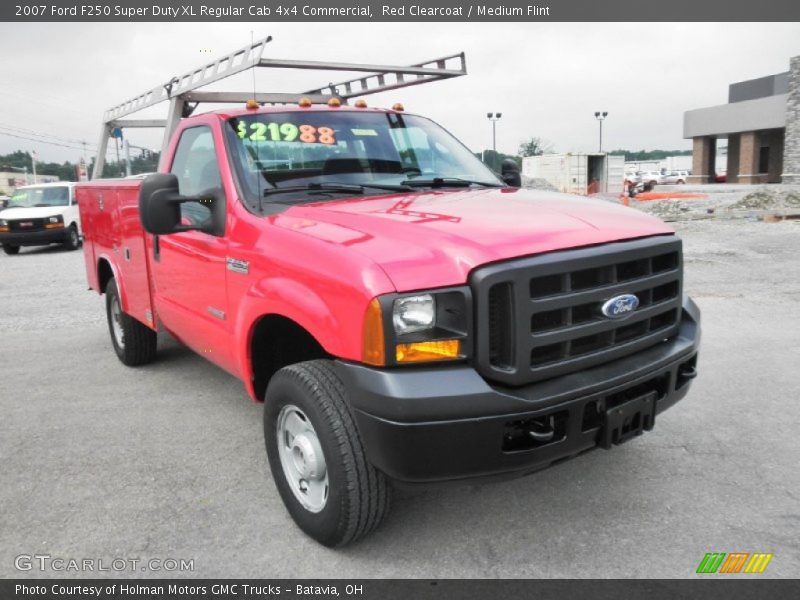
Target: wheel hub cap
(302,458)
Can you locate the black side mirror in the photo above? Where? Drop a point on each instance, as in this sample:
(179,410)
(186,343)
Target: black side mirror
(510,172)
(160,206)
(159,203)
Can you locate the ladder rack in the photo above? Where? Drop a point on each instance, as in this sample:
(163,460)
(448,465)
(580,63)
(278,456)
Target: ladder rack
(184,95)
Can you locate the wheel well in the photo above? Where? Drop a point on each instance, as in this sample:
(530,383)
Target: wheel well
(276,343)
(104,274)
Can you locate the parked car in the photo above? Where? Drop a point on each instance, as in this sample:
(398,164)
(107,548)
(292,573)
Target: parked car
(398,326)
(674,177)
(38,215)
(721,177)
(648,179)
(632,178)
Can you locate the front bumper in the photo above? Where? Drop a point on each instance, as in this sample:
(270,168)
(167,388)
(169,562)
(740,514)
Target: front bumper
(35,238)
(447,423)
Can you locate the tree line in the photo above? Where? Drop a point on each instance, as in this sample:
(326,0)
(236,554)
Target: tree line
(68,171)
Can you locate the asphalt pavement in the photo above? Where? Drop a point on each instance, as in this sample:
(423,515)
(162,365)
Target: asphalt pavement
(99,461)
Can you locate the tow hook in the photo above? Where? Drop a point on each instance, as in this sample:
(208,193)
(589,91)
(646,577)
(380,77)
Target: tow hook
(542,430)
(688,372)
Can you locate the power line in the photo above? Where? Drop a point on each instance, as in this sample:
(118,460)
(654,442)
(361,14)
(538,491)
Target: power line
(30,139)
(45,135)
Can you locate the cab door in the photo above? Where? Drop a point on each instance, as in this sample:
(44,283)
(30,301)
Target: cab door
(189,268)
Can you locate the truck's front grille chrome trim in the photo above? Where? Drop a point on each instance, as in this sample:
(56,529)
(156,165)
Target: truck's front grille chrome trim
(541,317)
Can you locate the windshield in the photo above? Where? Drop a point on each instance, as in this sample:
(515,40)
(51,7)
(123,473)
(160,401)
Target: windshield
(40,196)
(307,148)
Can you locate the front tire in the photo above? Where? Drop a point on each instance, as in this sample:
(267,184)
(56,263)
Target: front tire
(10,250)
(73,240)
(134,343)
(316,456)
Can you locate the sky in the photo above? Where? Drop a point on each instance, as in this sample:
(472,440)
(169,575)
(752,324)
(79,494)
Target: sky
(547,79)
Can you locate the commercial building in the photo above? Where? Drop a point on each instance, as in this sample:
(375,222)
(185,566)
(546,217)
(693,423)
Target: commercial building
(761,122)
(11,180)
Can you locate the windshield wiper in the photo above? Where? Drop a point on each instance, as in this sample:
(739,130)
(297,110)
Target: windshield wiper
(333,187)
(438,182)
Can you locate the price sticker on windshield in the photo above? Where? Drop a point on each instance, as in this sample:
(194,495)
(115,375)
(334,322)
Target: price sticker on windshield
(285,132)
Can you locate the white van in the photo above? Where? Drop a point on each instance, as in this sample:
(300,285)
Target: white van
(41,214)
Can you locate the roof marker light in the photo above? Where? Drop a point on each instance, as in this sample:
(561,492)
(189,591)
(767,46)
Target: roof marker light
(304,102)
(398,106)
(360,103)
(334,103)
(252,105)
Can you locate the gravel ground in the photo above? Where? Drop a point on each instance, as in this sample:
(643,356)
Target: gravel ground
(167,461)
(722,201)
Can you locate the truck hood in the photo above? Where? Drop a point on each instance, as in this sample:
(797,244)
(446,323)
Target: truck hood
(34,212)
(434,239)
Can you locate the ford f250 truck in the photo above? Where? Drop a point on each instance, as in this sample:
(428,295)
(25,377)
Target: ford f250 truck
(403,313)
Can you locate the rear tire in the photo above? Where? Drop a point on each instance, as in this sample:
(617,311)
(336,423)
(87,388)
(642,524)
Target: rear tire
(10,250)
(322,449)
(73,240)
(134,343)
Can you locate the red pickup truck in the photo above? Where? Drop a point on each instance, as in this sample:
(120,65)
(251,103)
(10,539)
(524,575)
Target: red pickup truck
(405,314)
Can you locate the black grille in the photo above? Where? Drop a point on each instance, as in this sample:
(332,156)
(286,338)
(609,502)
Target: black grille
(541,317)
(26,225)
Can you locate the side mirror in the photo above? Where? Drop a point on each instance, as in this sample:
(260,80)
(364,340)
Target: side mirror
(510,172)
(160,206)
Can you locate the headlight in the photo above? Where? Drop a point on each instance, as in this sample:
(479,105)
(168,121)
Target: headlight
(56,219)
(416,328)
(414,313)
(3,223)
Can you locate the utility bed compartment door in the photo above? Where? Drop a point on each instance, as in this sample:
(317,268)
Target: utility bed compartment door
(133,259)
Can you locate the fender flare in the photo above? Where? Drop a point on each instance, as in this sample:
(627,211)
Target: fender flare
(123,296)
(289,299)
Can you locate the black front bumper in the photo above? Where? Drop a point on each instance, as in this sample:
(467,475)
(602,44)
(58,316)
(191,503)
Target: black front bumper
(446,423)
(35,238)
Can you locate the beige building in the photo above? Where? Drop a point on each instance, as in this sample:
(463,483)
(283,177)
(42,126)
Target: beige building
(761,122)
(11,180)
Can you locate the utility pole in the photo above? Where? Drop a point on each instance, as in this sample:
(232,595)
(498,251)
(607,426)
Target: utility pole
(127,147)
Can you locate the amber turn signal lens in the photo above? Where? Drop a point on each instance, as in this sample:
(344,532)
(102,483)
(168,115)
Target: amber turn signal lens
(251,105)
(304,102)
(373,348)
(334,103)
(428,351)
(398,107)
(360,103)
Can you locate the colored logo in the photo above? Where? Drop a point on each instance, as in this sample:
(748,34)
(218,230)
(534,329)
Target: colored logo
(734,562)
(620,306)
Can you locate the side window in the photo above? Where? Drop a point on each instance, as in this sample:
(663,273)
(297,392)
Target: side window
(195,162)
(195,165)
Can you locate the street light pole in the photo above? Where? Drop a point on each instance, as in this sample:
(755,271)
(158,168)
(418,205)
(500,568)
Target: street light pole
(494,117)
(600,116)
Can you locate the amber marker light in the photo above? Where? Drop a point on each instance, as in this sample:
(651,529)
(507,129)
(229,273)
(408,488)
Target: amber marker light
(334,103)
(252,105)
(304,102)
(428,351)
(398,106)
(373,346)
(360,103)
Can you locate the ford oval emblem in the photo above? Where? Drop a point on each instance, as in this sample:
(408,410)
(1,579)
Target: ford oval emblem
(620,306)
